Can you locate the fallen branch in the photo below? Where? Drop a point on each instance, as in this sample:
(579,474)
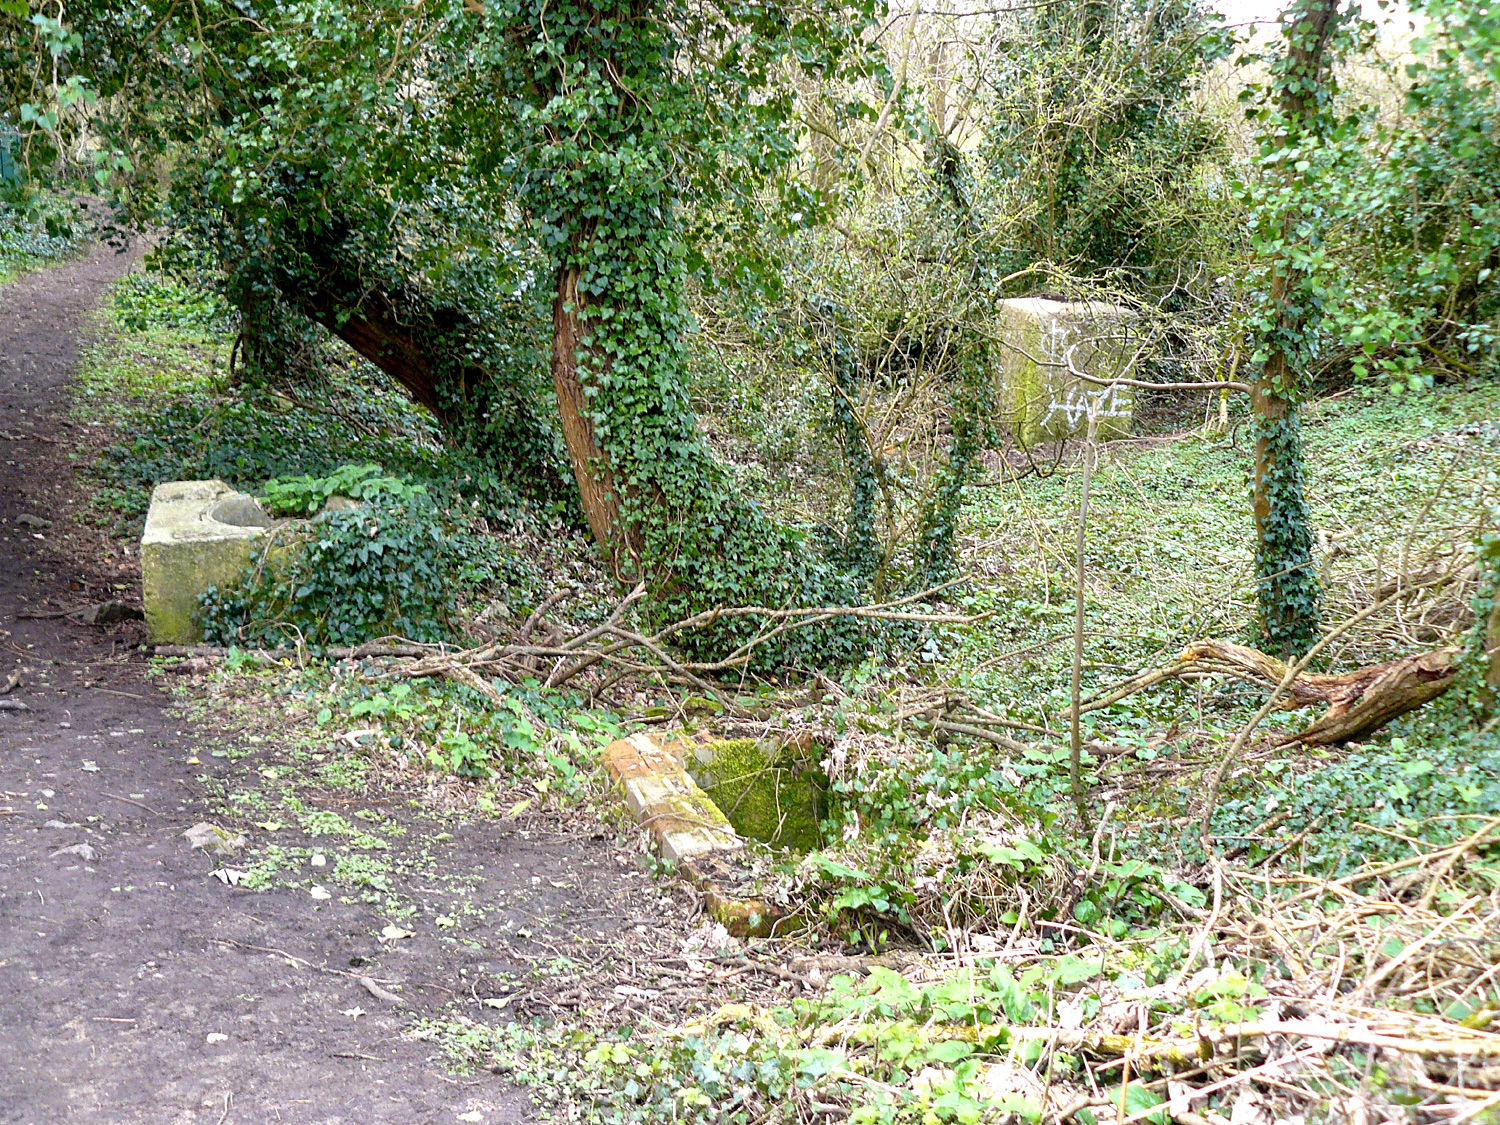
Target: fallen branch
(1358,702)
(613,643)
(397,647)
(990,736)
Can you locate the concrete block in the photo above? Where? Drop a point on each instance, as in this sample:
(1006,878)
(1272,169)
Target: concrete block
(689,829)
(666,801)
(199,533)
(1040,398)
(683,844)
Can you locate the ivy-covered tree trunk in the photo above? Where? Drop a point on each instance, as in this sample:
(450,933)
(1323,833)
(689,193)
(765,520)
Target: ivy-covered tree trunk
(1287,581)
(597,490)
(601,179)
(603,127)
(1487,621)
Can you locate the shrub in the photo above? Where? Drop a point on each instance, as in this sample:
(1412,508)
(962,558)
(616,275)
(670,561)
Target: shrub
(395,565)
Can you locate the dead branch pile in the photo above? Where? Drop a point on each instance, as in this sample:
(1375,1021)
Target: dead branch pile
(1394,970)
(549,652)
(621,649)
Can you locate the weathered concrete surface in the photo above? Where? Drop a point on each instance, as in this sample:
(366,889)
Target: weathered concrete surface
(666,801)
(1040,397)
(199,533)
(689,829)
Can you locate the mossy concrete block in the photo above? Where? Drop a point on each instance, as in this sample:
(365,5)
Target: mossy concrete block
(1041,398)
(768,791)
(688,827)
(666,801)
(199,534)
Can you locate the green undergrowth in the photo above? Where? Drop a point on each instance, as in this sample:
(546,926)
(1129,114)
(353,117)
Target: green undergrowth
(914,808)
(1169,551)
(155,342)
(44,229)
(550,741)
(163,377)
(878,1050)
(396,564)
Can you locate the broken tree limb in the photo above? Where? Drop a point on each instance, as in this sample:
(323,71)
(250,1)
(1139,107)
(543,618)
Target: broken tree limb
(1358,702)
(1211,798)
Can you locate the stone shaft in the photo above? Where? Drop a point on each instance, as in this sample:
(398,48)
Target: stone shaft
(1046,343)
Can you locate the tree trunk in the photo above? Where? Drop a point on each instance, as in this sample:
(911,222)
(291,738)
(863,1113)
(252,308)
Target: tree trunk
(1287,584)
(375,330)
(591,468)
(430,350)
(1359,702)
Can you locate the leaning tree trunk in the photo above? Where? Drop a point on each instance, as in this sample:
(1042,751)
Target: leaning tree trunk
(1287,583)
(597,490)
(435,353)
(1359,702)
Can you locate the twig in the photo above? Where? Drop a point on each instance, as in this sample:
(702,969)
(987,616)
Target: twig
(1075,736)
(290,957)
(1200,939)
(1216,385)
(137,804)
(979,732)
(537,614)
(380,993)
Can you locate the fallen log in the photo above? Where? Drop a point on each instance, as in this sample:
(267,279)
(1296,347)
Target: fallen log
(1359,702)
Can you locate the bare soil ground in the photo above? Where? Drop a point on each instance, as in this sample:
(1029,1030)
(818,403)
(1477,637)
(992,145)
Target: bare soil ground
(137,987)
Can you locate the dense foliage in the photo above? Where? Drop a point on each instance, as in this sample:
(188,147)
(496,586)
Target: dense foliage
(395,565)
(1094,142)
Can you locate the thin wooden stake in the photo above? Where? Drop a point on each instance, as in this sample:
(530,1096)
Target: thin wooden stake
(1075,737)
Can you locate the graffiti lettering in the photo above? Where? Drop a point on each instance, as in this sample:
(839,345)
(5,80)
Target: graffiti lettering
(1076,401)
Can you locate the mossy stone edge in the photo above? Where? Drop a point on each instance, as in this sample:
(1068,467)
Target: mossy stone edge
(687,827)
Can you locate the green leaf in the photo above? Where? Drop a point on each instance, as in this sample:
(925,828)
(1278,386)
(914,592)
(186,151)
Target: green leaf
(839,870)
(1072,969)
(1138,1099)
(949,1052)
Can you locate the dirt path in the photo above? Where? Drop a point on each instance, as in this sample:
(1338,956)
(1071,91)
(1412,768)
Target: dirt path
(135,986)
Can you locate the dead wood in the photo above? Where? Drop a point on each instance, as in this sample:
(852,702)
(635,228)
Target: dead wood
(1358,702)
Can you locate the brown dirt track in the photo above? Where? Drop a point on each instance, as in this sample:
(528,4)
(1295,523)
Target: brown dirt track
(115,970)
